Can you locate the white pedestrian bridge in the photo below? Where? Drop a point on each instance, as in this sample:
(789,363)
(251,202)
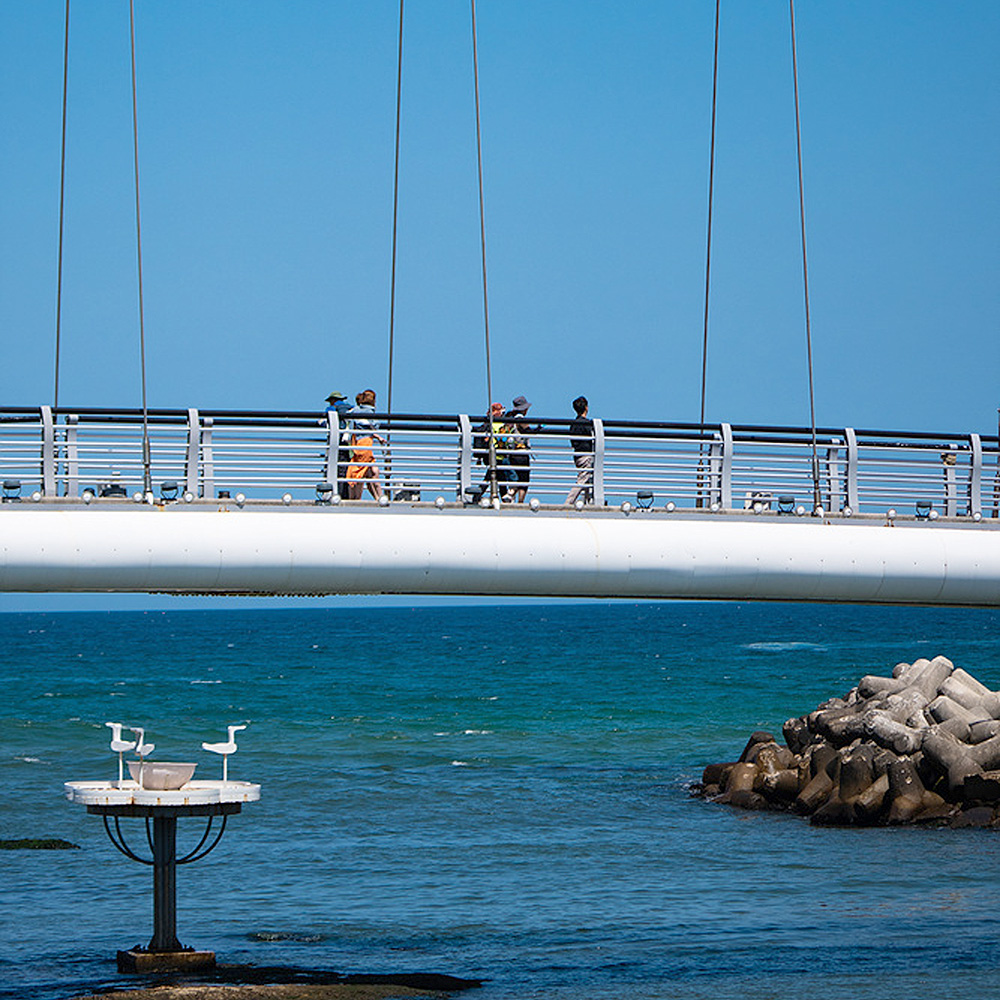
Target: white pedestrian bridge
(241,502)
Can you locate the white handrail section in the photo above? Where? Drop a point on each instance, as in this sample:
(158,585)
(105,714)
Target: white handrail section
(78,454)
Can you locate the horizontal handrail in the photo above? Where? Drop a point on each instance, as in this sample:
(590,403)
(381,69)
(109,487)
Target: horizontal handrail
(70,452)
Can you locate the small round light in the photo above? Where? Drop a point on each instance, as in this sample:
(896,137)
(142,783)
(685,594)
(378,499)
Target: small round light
(626,507)
(715,507)
(484,502)
(88,496)
(757,507)
(848,512)
(439,502)
(286,498)
(800,510)
(240,499)
(36,496)
(137,497)
(670,507)
(891,513)
(933,515)
(383,500)
(578,505)
(534,503)
(335,499)
(977,516)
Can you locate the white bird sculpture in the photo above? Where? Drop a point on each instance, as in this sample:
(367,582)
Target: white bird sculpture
(141,748)
(119,746)
(225,749)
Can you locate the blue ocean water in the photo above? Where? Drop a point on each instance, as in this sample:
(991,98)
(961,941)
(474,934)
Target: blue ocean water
(489,792)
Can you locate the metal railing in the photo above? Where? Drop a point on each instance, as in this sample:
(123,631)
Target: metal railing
(96,453)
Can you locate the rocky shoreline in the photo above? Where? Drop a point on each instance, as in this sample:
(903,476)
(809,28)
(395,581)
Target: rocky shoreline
(919,747)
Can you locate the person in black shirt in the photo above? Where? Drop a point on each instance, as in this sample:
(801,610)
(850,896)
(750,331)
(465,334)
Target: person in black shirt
(581,435)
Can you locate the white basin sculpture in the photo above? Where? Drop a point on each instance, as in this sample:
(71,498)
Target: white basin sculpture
(162,775)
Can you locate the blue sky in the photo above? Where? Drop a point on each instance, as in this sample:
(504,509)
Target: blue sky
(266,137)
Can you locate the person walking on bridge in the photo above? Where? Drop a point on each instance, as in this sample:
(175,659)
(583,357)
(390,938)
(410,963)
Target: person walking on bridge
(363,467)
(581,436)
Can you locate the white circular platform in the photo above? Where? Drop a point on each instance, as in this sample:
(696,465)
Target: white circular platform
(194,793)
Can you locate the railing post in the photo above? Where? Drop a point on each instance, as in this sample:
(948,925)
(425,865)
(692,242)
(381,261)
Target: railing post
(331,468)
(72,456)
(715,470)
(726,474)
(852,469)
(207,460)
(950,460)
(599,500)
(48,453)
(976,475)
(464,455)
(193,448)
(833,496)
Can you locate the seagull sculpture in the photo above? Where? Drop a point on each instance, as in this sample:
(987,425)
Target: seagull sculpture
(119,746)
(225,749)
(141,748)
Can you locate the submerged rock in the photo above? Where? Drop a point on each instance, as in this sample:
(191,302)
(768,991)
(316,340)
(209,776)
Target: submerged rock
(921,746)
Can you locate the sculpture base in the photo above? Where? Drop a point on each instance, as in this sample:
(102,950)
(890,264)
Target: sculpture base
(140,961)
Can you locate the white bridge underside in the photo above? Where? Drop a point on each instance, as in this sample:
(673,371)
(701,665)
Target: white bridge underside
(178,549)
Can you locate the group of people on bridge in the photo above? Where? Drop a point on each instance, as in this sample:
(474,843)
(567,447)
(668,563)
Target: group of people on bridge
(502,443)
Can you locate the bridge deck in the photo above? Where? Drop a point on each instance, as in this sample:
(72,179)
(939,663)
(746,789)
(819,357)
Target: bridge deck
(249,503)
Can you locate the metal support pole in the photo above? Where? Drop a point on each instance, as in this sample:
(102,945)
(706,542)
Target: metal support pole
(165,885)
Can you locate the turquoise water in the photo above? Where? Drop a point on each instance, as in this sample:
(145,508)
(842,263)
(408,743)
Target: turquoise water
(490,792)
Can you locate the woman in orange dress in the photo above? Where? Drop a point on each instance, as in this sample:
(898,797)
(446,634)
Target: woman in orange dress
(363,468)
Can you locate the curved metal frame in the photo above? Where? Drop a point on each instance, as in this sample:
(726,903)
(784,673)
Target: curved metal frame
(195,854)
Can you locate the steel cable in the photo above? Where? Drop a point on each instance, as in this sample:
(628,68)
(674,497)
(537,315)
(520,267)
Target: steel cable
(146,471)
(708,247)
(395,216)
(62,203)
(482,237)
(805,268)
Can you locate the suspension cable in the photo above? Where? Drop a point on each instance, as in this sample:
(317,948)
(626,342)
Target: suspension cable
(146,472)
(708,242)
(482,237)
(392,279)
(395,210)
(62,202)
(805,269)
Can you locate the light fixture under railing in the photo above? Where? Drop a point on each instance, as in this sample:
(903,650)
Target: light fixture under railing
(188,497)
(670,506)
(240,499)
(286,498)
(534,504)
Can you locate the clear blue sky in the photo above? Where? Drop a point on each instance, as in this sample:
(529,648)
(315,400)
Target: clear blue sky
(266,136)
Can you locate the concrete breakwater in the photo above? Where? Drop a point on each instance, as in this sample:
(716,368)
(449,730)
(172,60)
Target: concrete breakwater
(921,746)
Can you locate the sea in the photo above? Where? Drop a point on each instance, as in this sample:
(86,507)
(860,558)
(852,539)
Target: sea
(495,792)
